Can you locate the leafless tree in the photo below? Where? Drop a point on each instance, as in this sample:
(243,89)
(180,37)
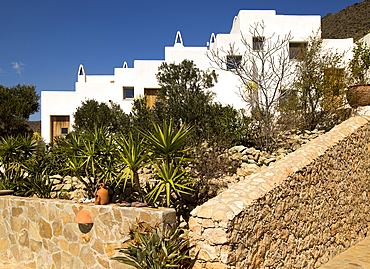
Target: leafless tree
(265,72)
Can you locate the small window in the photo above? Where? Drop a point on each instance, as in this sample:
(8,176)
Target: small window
(258,43)
(128,92)
(295,49)
(64,131)
(233,62)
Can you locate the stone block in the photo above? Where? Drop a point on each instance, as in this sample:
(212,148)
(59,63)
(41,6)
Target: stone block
(57,259)
(23,238)
(66,218)
(4,242)
(16,211)
(86,255)
(74,249)
(3,230)
(15,224)
(69,233)
(15,252)
(102,232)
(66,259)
(216,236)
(32,214)
(110,249)
(33,232)
(57,228)
(215,265)
(98,247)
(44,228)
(35,246)
(104,262)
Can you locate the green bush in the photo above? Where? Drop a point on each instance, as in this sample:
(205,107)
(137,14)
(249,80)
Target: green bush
(93,114)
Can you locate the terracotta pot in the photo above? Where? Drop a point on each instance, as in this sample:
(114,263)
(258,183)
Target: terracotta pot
(358,95)
(102,196)
(83,217)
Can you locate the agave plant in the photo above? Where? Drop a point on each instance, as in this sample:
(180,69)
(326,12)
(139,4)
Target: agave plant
(152,250)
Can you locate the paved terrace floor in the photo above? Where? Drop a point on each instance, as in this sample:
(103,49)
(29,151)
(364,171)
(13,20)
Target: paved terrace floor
(356,257)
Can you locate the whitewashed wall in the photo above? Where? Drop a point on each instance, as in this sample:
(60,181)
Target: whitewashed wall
(110,87)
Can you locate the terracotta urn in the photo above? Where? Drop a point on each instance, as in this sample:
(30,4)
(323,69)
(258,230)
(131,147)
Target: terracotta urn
(102,196)
(358,95)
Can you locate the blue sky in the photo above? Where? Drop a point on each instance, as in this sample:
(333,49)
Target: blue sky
(44,41)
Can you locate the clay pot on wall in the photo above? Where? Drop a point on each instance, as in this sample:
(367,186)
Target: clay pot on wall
(358,95)
(102,196)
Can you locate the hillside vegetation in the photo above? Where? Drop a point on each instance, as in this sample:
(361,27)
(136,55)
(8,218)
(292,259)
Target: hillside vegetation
(353,21)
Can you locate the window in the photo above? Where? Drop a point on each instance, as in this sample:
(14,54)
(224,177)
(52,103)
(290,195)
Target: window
(128,92)
(64,131)
(295,49)
(258,42)
(233,62)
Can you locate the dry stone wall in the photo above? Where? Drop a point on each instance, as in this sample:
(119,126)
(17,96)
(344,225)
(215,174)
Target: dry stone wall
(41,233)
(297,213)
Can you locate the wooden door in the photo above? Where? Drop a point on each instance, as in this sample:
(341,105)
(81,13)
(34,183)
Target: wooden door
(151,96)
(59,126)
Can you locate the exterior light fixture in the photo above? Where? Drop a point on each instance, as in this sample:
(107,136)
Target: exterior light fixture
(84,220)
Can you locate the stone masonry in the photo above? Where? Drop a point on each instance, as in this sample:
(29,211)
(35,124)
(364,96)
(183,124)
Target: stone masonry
(41,233)
(297,213)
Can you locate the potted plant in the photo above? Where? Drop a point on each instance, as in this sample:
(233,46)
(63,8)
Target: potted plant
(359,93)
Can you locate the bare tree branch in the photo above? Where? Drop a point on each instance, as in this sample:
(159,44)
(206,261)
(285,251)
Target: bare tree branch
(265,73)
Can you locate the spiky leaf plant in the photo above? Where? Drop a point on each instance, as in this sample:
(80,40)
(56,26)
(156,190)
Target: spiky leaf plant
(150,249)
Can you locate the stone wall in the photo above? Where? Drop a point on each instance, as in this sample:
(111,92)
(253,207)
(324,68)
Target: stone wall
(41,233)
(297,213)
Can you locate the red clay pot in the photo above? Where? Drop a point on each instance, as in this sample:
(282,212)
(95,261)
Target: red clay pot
(102,196)
(358,95)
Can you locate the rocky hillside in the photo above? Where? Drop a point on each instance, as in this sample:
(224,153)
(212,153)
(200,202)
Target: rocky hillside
(353,21)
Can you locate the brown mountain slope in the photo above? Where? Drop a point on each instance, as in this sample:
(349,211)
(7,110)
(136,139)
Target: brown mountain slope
(353,21)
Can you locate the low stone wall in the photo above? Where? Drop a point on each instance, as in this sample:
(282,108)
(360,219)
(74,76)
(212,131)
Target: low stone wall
(41,233)
(297,213)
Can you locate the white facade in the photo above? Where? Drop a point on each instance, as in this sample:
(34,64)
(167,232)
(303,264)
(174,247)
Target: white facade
(110,88)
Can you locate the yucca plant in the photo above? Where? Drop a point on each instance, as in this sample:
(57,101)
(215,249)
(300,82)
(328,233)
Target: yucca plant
(167,146)
(151,249)
(172,179)
(167,143)
(39,184)
(134,155)
(92,158)
(14,152)
(6,184)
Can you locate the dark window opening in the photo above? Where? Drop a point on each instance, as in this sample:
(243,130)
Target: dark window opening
(64,131)
(128,92)
(233,62)
(295,49)
(258,42)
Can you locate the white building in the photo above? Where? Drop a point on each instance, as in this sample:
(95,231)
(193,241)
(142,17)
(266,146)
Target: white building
(57,107)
